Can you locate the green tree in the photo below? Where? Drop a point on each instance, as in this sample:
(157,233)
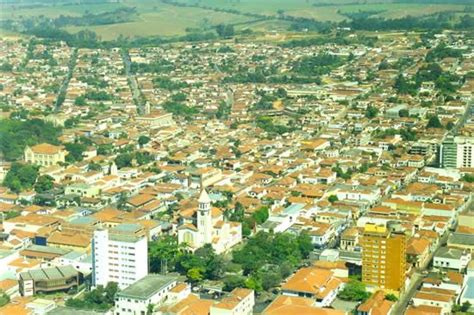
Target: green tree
(144,158)
(21,177)
(233,281)
(332,198)
(403,113)
(44,183)
(110,290)
(15,135)
(354,291)
(450,125)
(254,283)
(371,111)
(94,167)
(100,299)
(165,249)
(261,215)
(469,178)
(75,151)
(391,297)
(271,279)
(124,160)
(71,122)
(4,298)
(434,122)
(465,306)
(80,101)
(142,140)
(195,275)
(225,30)
(149,309)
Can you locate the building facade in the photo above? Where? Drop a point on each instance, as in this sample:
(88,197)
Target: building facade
(119,255)
(209,227)
(45,154)
(457,152)
(48,280)
(152,289)
(383,257)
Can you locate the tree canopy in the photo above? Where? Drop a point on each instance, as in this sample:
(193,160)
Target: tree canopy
(15,135)
(100,299)
(354,291)
(21,177)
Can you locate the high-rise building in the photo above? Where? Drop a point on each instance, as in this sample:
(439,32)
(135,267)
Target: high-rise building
(120,255)
(457,152)
(383,257)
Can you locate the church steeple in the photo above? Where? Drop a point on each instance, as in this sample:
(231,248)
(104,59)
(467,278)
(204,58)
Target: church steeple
(204,217)
(204,201)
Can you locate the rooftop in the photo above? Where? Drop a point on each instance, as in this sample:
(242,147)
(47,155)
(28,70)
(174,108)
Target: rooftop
(147,286)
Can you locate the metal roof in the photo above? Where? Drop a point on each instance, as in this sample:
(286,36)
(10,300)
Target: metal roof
(147,286)
(53,273)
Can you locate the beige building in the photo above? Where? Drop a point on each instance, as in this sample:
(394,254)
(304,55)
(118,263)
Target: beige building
(156,119)
(239,302)
(383,257)
(45,154)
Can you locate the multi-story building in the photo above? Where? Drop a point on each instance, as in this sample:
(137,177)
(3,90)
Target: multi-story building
(45,154)
(153,289)
(383,257)
(457,152)
(120,255)
(47,280)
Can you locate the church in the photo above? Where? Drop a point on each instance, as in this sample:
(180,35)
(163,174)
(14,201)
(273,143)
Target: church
(208,226)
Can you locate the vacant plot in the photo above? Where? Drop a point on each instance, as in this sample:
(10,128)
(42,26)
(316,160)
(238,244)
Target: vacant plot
(329,10)
(164,20)
(156,18)
(13,12)
(398,10)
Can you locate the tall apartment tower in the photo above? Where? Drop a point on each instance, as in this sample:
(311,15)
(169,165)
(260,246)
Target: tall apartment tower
(457,152)
(383,257)
(120,255)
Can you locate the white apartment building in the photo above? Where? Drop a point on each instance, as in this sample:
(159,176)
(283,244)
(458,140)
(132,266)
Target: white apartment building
(119,255)
(457,152)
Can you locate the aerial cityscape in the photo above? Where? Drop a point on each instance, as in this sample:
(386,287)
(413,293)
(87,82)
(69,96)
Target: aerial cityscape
(227,157)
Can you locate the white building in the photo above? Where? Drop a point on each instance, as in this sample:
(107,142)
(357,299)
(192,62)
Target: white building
(153,289)
(451,258)
(119,255)
(457,152)
(209,227)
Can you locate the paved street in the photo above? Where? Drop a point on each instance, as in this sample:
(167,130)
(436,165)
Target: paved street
(402,303)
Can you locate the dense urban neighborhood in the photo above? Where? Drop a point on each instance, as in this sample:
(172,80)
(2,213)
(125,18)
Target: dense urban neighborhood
(282,174)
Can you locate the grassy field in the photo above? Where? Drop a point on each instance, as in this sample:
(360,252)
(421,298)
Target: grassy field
(12,12)
(330,11)
(164,20)
(158,19)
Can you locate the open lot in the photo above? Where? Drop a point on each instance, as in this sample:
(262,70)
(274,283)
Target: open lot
(164,20)
(329,10)
(156,18)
